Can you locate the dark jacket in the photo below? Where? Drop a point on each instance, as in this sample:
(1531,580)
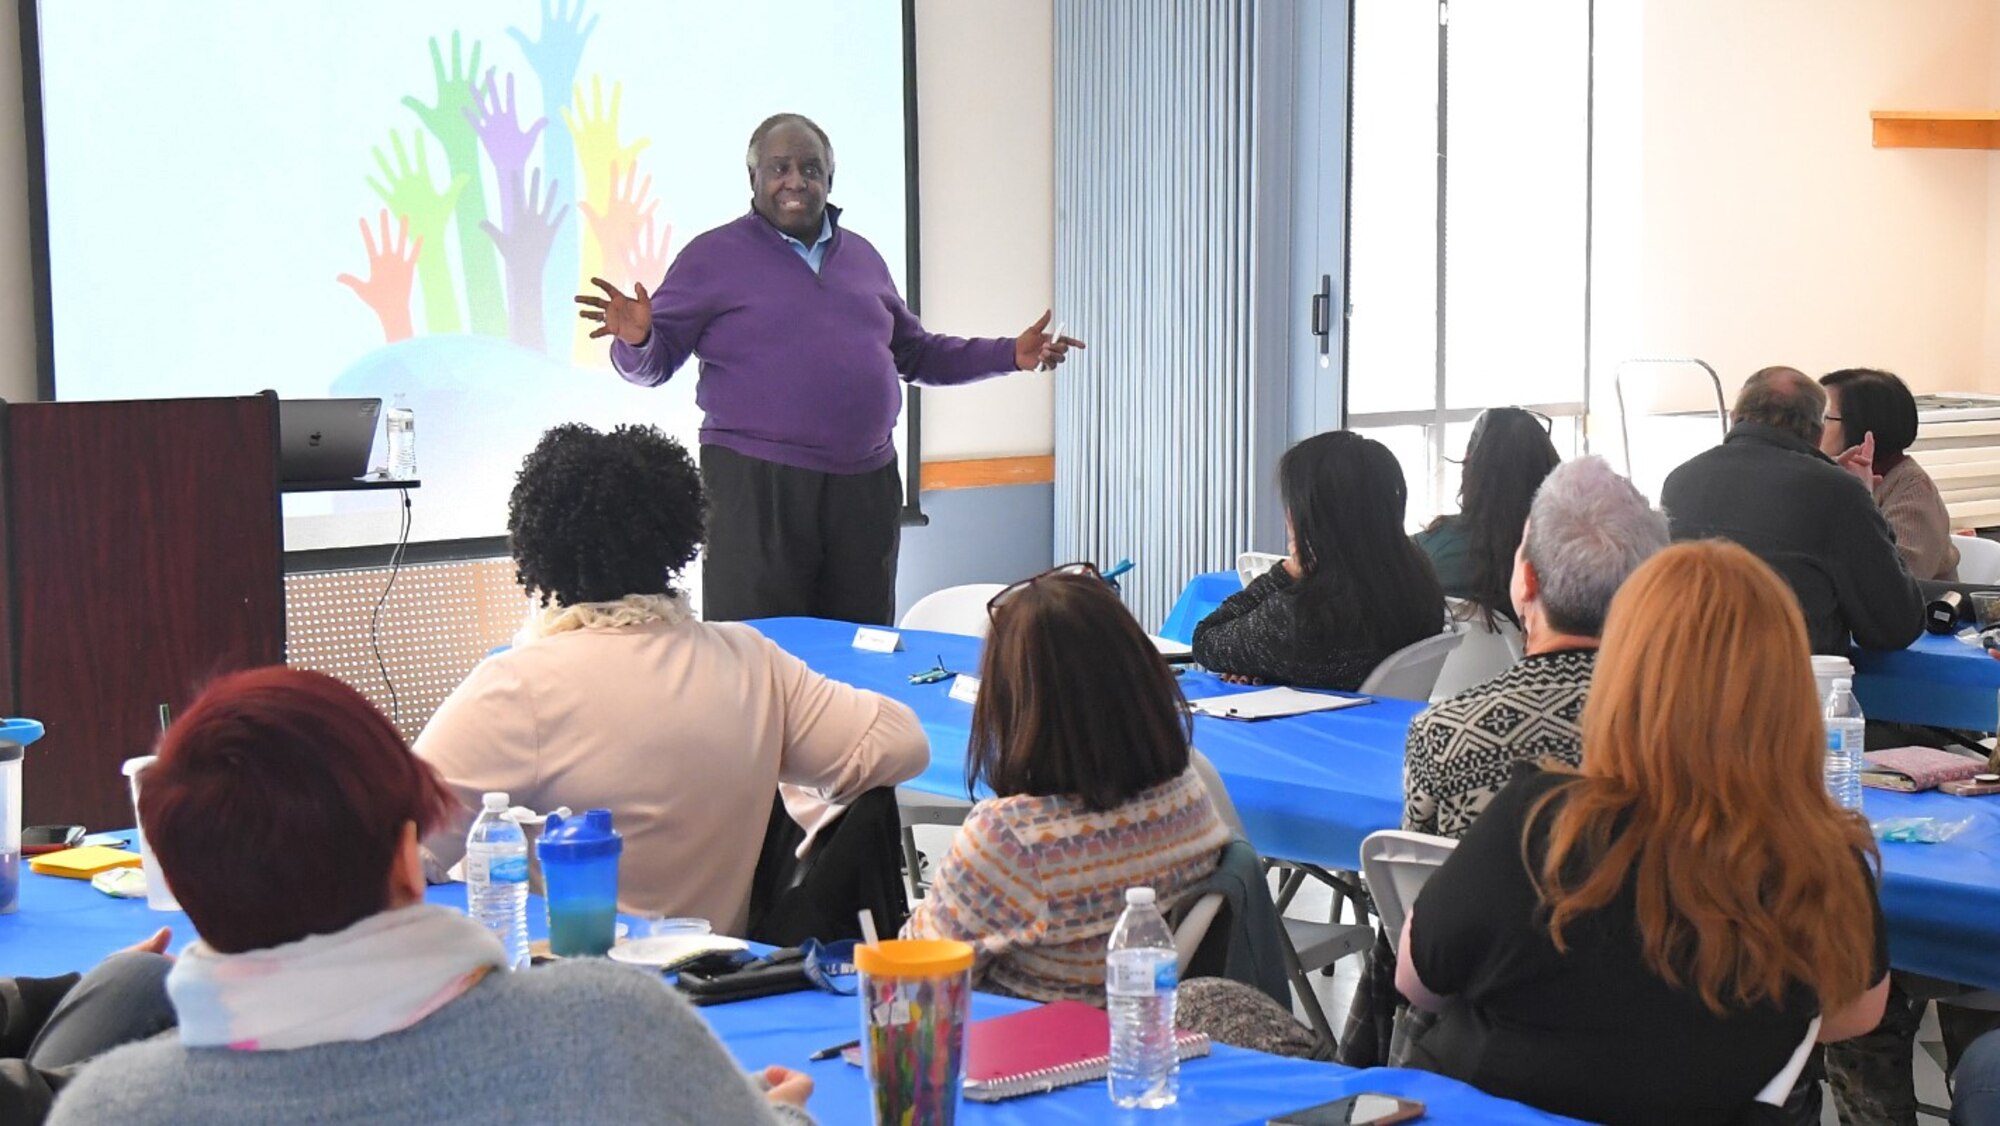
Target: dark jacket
(1257,633)
(1813,522)
(1244,943)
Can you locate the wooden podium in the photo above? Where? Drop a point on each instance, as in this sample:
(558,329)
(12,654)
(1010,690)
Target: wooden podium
(141,554)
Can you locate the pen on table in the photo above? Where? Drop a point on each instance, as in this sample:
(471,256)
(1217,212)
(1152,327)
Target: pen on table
(829,1053)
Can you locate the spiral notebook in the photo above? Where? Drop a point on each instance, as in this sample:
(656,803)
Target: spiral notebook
(1059,1044)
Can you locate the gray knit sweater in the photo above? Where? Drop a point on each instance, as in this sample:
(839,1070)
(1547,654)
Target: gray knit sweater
(579,1041)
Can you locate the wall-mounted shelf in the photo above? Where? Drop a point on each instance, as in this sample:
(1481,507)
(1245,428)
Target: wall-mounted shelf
(1936,129)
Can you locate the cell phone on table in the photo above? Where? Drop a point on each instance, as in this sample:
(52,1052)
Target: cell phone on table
(1977,786)
(1354,1110)
(38,839)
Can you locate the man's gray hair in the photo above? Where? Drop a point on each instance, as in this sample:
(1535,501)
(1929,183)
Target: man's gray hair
(1785,398)
(764,128)
(1587,530)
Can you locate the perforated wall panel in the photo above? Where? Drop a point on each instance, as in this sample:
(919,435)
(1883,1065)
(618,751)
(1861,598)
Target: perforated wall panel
(438,621)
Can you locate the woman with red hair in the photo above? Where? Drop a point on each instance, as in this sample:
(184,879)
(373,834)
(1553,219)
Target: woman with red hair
(1648,938)
(285,811)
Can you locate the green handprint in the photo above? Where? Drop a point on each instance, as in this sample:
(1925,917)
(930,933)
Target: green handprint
(408,191)
(449,122)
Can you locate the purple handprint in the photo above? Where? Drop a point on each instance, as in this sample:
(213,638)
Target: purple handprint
(531,226)
(507,145)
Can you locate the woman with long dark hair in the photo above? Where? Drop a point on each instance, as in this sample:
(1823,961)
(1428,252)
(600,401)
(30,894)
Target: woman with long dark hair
(1081,733)
(1473,549)
(1648,938)
(1354,589)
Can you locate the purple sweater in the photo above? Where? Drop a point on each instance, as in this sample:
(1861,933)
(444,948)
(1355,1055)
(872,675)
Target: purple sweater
(796,367)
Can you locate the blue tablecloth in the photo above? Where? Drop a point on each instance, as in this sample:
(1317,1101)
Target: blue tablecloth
(66,925)
(1309,787)
(1940,681)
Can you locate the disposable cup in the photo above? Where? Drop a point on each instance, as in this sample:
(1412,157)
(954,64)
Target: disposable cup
(159,896)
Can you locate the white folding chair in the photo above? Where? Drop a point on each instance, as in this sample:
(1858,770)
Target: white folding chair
(955,609)
(1978,559)
(1396,864)
(1252,564)
(1308,944)
(1486,652)
(1412,671)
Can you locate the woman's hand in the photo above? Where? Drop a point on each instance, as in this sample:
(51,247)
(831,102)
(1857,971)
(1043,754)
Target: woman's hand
(783,1085)
(157,944)
(1236,678)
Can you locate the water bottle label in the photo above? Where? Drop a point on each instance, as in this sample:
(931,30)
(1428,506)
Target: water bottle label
(508,870)
(1142,975)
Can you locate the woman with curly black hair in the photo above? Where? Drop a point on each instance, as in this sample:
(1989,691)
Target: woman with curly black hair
(615,696)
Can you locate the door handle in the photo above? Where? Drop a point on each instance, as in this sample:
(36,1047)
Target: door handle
(1322,313)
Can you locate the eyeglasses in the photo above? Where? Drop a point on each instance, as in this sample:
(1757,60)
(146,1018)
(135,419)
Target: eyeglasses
(994,604)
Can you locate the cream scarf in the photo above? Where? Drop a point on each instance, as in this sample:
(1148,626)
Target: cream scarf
(383,974)
(631,610)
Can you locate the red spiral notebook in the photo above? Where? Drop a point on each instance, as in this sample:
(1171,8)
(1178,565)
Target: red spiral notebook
(1059,1044)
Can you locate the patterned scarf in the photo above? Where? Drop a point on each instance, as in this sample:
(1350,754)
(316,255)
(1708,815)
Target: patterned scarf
(383,974)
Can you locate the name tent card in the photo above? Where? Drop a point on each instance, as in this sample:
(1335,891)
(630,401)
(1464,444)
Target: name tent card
(965,689)
(870,640)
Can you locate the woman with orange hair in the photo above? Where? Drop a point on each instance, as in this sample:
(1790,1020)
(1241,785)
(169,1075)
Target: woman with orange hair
(1647,939)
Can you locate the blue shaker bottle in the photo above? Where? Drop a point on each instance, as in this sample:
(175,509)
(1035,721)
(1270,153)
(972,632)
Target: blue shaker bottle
(580,872)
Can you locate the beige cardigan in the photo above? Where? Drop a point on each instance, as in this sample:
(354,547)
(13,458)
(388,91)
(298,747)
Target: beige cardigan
(1910,502)
(683,730)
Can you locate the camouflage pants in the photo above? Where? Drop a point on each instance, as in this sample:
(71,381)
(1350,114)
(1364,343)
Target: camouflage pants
(1870,1074)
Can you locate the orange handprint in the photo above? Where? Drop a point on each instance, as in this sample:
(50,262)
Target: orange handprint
(391,265)
(647,260)
(617,224)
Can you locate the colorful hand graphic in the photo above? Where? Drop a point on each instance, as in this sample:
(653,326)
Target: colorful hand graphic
(617,225)
(507,145)
(449,120)
(557,53)
(647,261)
(597,147)
(390,266)
(524,245)
(408,191)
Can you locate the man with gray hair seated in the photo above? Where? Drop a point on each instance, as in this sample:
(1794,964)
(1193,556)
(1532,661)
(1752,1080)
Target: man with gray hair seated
(1587,530)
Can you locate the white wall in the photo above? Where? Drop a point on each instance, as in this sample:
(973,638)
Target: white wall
(986,184)
(1744,216)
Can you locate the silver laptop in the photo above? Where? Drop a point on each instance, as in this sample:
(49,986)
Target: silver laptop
(325,439)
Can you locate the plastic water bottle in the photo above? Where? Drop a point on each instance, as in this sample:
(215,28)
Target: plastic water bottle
(1844,729)
(402,425)
(496,878)
(1141,980)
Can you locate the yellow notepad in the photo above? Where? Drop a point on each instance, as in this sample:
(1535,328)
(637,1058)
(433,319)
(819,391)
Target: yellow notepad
(82,863)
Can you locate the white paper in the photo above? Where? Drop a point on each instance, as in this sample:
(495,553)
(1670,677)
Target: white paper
(1271,703)
(965,689)
(1171,650)
(877,640)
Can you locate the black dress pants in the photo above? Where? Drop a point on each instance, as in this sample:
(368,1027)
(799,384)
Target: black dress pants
(791,542)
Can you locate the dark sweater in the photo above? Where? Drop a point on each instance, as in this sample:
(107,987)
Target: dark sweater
(1257,634)
(796,367)
(1813,522)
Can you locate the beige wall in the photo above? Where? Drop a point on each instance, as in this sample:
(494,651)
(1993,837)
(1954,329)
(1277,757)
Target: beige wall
(986,183)
(1748,221)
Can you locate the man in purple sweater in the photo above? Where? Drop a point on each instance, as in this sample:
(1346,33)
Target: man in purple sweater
(802,338)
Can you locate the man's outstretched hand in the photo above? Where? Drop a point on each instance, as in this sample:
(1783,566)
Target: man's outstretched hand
(628,318)
(1037,350)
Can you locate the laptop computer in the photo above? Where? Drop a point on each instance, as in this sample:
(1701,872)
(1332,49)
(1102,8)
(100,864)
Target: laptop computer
(325,439)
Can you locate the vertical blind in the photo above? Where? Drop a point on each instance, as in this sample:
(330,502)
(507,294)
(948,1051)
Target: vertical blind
(1156,206)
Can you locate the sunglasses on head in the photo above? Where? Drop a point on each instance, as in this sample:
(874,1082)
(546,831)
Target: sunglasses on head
(1007,595)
